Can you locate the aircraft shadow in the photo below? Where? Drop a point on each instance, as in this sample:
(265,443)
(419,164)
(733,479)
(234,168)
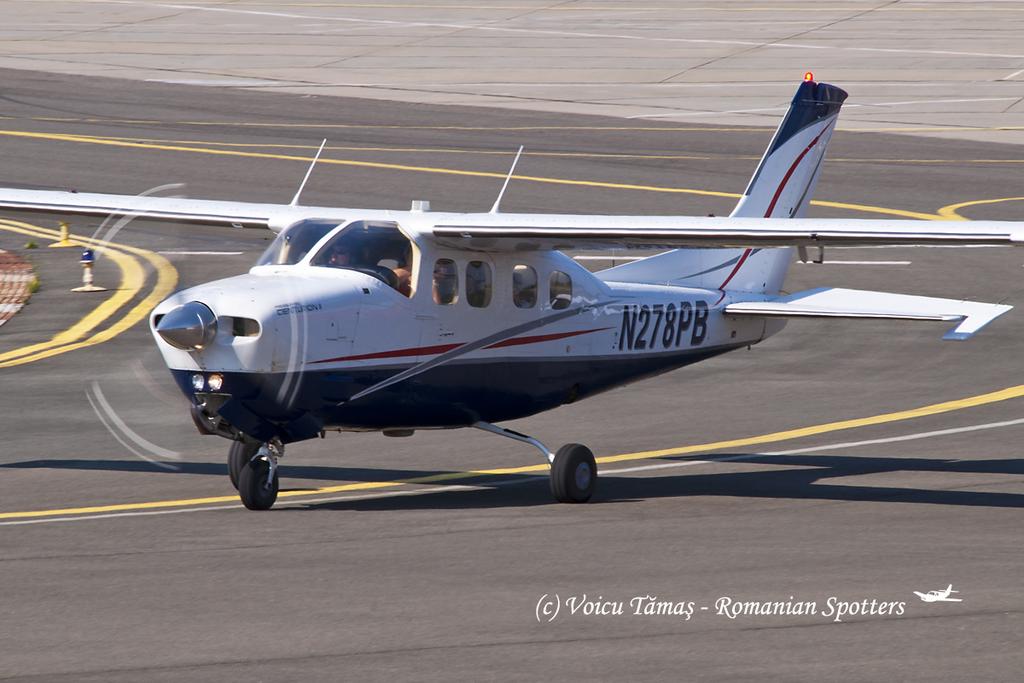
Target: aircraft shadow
(801,482)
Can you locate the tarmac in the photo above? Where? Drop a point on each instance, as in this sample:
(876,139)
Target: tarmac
(839,462)
(944,69)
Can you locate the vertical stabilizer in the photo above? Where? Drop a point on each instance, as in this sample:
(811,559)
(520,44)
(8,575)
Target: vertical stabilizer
(781,187)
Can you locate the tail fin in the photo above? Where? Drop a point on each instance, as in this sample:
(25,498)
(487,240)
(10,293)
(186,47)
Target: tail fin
(781,187)
(784,181)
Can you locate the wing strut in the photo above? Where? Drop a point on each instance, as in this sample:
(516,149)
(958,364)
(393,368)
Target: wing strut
(295,199)
(494,209)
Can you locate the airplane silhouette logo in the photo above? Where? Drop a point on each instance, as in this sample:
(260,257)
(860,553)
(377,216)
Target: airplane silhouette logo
(939,596)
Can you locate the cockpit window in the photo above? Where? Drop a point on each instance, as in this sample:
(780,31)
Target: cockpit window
(378,249)
(292,244)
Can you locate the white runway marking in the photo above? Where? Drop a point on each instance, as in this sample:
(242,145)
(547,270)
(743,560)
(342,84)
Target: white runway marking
(510,482)
(826,447)
(847,106)
(856,263)
(567,34)
(1012,76)
(201,253)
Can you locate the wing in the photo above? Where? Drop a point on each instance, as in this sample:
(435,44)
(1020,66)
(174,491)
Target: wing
(240,214)
(525,232)
(829,302)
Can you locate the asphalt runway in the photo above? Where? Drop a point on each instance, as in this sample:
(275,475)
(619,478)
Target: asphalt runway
(118,567)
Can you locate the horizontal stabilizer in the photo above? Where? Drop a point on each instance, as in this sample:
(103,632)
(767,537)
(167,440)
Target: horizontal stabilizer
(830,302)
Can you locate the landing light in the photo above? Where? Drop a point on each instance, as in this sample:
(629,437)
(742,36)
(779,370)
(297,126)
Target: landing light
(198,382)
(216,381)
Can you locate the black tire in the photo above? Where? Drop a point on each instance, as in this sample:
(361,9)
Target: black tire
(252,485)
(241,452)
(573,474)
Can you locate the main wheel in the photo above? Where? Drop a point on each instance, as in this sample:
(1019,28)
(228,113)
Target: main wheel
(241,452)
(573,474)
(253,488)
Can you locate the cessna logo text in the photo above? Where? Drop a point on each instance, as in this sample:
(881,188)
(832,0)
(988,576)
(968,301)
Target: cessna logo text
(663,326)
(288,309)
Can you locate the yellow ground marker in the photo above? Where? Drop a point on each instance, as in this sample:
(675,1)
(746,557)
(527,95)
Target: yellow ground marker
(65,237)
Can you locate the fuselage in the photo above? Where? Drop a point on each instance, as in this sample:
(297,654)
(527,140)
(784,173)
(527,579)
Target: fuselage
(485,336)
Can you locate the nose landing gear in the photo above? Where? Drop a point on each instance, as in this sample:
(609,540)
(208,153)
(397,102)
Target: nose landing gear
(257,479)
(241,452)
(573,468)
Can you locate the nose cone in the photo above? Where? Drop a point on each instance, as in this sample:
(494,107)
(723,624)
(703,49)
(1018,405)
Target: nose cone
(188,327)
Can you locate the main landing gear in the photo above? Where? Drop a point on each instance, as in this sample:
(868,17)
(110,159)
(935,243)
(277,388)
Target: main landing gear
(253,470)
(573,468)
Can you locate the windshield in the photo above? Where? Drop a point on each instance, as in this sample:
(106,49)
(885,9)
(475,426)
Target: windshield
(375,248)
(292,245)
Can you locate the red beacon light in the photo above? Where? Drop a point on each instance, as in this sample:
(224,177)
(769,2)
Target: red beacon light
(808,76)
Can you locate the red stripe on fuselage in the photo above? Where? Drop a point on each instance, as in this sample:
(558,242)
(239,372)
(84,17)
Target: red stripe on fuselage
(771,205)
(444,348)
(519,341)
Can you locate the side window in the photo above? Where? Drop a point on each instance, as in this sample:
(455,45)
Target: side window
(561,290)
(524,286)
(446,282)
(478,284)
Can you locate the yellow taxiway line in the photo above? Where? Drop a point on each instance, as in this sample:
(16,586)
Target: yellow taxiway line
(773,437)
(952,211)
(132,281)
(168,147)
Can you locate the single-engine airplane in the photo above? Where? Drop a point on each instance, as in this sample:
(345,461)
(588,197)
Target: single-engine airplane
(397,321)
(939,595)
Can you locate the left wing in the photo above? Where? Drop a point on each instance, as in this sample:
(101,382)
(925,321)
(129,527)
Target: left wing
(240,214)
(831,302)
(526,232)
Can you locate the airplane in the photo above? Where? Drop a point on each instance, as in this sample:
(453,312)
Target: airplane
(398,321)
(939,596)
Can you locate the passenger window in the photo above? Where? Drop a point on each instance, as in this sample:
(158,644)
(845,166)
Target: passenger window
(478,284)
(446,282)
(560,287)
(524,286)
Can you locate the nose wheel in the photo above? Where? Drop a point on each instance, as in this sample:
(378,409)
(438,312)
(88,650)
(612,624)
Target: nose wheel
(241,452)
(257,479)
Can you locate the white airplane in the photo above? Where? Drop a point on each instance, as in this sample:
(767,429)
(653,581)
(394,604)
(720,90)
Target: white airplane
(939,596)
(395,321)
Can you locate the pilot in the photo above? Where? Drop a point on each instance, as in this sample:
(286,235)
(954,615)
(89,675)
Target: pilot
(339,257)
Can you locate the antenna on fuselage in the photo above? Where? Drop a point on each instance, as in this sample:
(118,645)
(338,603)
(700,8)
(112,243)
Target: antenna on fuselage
(295,199)
(494,209)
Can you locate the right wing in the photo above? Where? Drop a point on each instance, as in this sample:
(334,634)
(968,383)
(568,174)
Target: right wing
(531,232)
